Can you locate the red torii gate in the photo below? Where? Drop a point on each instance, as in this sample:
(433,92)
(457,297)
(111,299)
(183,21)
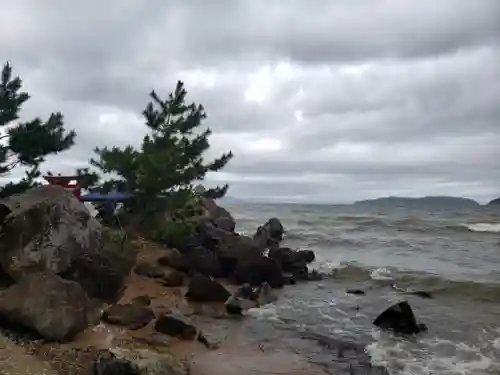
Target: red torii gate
(71,183)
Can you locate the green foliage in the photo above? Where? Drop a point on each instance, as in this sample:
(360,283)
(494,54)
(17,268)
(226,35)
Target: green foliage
(26,144)
(161,172)
(173,233)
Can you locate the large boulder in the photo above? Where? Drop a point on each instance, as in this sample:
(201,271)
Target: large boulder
(130,315)
(48,229)
(176,325)
(400,319)
(102,272)
(233,249)
(257,270)
(46,303)
(194,260)
(45,229)
(219,215)
(291,260)
(270,234)
(205,289)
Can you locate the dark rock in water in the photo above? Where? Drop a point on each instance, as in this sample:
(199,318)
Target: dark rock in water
(399,318)
(204,289)
(131,315)
(176,325)
(196,259)
(174,279)
(420,293)
(357,292)
(53,307)
(232,309)
(292,260)
(233,249)
(149,270)
(258,269)
(270,234)
(143,300)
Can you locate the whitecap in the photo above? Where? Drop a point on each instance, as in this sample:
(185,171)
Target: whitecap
(483,227)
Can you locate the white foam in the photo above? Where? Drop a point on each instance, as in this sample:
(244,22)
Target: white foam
(404,357)
(268,311)
(483,227)
(381,273)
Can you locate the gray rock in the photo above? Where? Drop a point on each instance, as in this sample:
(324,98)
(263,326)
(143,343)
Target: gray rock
(53,307)
(45,229)
(132,316)
(176,325)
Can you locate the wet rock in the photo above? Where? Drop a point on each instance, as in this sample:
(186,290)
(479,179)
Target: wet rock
(292,260)
(398,318)
(420,293)
(45,229)
(242,299)
(193,260)
(53,307)
(219,215)
(258,269)
(233,249)
(265,295)
(143,300)
(130,315)
(357,292)
(149,270)
(174,279)
(120,361)
(205,289)
(176,325)
(270,234)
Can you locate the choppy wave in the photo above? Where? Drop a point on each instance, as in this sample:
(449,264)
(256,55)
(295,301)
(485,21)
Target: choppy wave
(438,286)
(483,227)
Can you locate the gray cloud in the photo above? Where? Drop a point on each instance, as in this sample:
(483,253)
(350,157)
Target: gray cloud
(330,101)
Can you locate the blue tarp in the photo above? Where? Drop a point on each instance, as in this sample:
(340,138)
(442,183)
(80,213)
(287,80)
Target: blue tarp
(112,196)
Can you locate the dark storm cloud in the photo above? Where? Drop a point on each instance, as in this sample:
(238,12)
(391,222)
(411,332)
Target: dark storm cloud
(360,98)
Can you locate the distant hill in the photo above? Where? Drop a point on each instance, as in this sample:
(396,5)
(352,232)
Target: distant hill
(423,202)
(494,202)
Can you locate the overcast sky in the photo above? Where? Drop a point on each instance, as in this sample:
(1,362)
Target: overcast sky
(320,100)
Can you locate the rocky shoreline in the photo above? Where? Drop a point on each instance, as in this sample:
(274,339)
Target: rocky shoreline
(82,299)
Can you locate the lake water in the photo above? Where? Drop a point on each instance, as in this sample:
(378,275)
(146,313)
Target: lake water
(453,254)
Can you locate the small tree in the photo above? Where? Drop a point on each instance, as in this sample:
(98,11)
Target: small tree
(160,174)
(26,144)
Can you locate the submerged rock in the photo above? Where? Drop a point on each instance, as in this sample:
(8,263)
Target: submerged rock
(133,316)
(53,307)
(400,319)
(176,325)
(205,289)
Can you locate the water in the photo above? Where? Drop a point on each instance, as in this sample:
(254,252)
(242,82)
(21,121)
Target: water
(453,254)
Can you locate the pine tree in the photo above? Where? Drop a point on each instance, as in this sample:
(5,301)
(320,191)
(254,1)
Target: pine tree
(162,171)
(26,144)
